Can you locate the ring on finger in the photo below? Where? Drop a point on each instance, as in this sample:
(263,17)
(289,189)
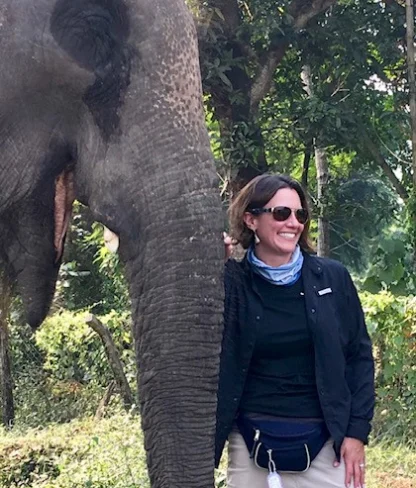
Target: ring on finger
(362,465)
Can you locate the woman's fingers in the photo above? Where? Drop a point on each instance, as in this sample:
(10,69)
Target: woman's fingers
(362,474)
(349,472)
(228,245)
(352,451)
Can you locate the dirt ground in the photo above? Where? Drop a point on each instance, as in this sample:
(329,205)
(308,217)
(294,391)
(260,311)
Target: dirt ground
(386,480)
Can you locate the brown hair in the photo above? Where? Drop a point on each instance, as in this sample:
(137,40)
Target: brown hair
(255,195)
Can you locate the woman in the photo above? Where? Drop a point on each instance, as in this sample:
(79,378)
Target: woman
(296,391)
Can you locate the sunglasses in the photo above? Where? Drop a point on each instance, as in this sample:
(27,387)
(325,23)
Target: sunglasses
(283,213)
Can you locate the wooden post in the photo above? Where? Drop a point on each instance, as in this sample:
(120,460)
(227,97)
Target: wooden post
(6,378)
(114,360)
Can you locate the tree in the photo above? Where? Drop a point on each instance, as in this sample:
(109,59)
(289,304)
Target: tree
(358,111)
(410,46)
(239,65)
(322,174)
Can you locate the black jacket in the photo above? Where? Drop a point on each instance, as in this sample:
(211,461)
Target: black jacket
(343,354)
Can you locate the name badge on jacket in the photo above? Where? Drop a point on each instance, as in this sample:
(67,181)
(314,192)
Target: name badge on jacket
(325,291)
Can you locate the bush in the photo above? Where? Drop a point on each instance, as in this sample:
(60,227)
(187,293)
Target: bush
(41,399)
(392,323)
(73,351)
(61,372)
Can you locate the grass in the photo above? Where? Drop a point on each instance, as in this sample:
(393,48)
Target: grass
(109,454)
(392,466)
(80,454)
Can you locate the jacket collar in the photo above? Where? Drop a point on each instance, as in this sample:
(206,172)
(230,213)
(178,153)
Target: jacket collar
(312,262)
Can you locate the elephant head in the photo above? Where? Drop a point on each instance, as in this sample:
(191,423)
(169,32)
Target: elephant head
(100,100)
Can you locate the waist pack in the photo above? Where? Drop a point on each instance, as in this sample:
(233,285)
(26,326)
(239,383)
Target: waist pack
(279,445)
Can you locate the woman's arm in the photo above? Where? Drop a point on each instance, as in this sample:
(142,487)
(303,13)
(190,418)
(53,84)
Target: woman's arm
(360,379)
(360,368)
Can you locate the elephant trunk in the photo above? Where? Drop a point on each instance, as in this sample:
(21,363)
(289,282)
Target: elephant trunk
(177,297)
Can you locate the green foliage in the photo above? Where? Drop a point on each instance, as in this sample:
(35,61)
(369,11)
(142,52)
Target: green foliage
(392,323)
(73,351)
(391,264)
(61,372)
(357,110)
(411,229)
(90,276)
(41,399)
(359,207)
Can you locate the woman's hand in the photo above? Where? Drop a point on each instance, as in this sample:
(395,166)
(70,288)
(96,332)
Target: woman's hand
(228,245)
(352,450)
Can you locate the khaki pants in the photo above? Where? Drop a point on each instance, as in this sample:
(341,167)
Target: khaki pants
(243,473)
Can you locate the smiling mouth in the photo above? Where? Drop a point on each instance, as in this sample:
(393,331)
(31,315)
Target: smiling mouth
(287,235)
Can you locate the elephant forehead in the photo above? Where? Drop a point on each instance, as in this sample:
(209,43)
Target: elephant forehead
(182,78)
(176,63)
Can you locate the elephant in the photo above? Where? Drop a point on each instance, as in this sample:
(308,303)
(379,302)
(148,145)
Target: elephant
(101,101)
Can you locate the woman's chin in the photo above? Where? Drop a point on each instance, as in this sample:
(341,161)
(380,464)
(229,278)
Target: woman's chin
(285,247)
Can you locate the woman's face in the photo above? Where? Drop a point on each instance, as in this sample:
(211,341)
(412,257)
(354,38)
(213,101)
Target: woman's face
(278,240)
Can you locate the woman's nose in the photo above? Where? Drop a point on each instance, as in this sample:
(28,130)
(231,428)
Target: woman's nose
(291,221)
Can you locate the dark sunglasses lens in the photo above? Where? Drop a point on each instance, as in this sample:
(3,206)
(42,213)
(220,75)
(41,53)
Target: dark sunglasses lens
(281,213)
(302,215)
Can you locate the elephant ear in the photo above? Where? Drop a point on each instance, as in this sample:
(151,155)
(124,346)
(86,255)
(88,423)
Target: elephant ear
(94,33)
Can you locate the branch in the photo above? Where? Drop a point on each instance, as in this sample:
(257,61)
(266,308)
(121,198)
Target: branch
(378,157)
(301,11)
(263,80)
(113,358)
(99,414)
(392,153)
(345,242)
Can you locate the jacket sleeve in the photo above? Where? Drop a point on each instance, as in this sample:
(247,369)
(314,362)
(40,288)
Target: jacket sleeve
(360,368)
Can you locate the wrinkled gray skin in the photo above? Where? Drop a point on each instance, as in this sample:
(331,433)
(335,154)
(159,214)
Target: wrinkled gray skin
(110,90)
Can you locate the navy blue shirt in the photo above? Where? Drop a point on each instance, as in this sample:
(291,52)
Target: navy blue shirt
(281,377)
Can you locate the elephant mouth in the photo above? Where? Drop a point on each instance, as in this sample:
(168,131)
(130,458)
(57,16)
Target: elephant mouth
(64,198)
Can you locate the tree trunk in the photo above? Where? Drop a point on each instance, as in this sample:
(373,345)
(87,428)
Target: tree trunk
(5,362)
(242,140)
(410,42)
(322,174)
(305,167)
(114,360)
(410,35)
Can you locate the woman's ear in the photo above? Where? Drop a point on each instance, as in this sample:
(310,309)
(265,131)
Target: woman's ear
(250,220)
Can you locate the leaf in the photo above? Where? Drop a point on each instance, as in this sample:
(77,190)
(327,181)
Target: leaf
(219,13)
(225,79)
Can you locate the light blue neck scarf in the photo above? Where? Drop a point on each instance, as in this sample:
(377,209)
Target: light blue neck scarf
(287,274)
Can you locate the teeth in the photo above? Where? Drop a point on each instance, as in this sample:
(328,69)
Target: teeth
(111,240)
(287,235)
